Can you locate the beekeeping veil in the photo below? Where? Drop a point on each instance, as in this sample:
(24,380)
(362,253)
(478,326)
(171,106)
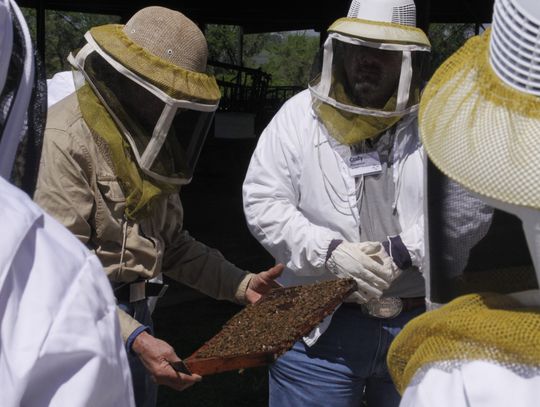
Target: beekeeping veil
(150,76)
(480,125)
(22,100)
(371,72)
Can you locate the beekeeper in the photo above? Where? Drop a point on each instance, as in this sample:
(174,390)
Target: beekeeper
(115,155)
(480,125)
(334,189)
(60,341)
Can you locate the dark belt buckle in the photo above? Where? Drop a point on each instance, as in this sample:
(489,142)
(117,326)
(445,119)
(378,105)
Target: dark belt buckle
(385,308)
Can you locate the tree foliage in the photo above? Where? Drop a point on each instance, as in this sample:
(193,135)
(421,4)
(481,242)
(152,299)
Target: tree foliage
(287,57)
(446,39)
(290,60)
(64,33)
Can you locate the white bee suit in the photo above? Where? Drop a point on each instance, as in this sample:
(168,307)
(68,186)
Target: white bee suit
(59,86)
(299,195)
(59,333)
(474,383)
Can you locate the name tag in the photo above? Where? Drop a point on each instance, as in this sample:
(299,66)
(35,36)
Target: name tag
(364,164)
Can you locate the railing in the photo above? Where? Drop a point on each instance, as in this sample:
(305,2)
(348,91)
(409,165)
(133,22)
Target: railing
(243,89)
(247,90)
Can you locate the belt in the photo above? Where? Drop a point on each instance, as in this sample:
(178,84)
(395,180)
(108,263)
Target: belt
(138,290)
(387,307)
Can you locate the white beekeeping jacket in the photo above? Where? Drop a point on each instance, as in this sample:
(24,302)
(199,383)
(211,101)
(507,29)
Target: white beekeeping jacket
(299,196)
(59,86)
(60,342)
(475,383)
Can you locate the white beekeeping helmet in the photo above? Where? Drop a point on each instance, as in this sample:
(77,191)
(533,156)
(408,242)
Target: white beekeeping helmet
(480,126)
(388,11)
(372,70)
(514,46)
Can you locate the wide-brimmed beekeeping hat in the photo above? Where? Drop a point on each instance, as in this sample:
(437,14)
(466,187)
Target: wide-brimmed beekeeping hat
(151,76)
(480,126)
(164,47)
(480,113)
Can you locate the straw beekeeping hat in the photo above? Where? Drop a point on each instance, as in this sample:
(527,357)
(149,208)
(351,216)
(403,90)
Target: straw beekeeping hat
(163,47)
(480,113)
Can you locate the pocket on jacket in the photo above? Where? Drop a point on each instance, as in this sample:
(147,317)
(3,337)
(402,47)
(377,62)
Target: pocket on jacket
(110,207)
(111,190)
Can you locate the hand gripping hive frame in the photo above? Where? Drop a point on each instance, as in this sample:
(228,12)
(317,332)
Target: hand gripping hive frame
(261,332)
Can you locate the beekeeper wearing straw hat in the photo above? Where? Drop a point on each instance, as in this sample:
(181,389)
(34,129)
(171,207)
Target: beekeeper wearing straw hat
(334,189)
(480,125)
(60,342)
(115,155)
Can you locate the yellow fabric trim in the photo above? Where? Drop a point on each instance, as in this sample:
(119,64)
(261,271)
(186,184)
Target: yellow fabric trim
(479,131)
(351,128)
(380,31)
(489,85)
(173,80)
(140,191)
(472,327)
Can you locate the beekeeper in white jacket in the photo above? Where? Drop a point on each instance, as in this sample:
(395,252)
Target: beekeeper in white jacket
(479,345)
(334,189)
(60,340)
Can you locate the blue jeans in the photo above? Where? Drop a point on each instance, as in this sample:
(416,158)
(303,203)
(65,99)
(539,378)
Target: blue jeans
(347,363)
(144,388)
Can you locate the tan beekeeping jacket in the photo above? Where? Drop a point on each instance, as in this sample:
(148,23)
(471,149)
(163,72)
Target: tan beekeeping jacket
(77,186)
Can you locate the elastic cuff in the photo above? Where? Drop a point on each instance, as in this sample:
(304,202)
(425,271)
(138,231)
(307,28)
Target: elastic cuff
(240,295)
(398,252)
(332,246)
(131,338)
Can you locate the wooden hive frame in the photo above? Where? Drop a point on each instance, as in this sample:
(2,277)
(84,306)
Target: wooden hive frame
(281,318)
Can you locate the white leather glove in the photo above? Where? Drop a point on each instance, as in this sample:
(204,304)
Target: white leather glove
(368,264)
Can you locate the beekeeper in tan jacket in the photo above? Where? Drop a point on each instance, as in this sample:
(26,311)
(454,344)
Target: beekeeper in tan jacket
(115,155)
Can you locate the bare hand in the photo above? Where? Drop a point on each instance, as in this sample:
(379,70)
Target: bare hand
(155,355)
(263,282)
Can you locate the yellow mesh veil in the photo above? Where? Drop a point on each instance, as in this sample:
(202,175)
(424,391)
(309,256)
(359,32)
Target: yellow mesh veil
(351,128)
(480,132)
(140,191)
(488,327)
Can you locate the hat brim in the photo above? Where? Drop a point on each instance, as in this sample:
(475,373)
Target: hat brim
(380,31)
(175,81)
(479,131)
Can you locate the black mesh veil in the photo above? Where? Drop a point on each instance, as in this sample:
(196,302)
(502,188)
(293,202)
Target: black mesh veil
(26,165)
(472,246)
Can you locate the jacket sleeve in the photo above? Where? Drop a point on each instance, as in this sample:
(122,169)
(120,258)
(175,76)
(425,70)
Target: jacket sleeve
(64,192)
(203,268)
(408,176)
(63,332)
(413,239)
(271,197)
(63,185)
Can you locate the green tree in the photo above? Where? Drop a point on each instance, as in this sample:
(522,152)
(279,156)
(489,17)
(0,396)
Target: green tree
(290,60)
(64,33)
(225,42)
(446,39)
(286,57)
